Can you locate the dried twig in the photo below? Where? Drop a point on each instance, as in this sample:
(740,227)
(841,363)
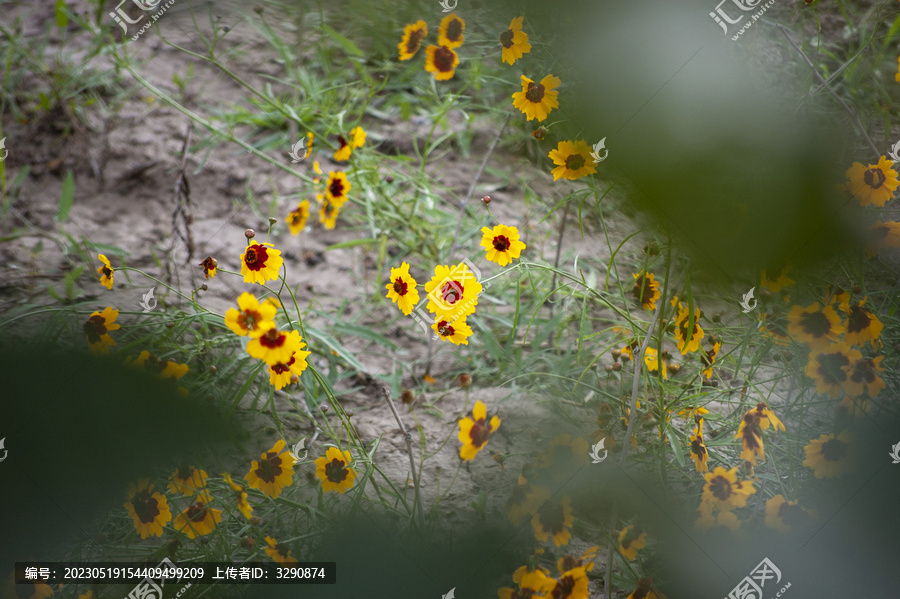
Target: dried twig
(412,463)
(182,197)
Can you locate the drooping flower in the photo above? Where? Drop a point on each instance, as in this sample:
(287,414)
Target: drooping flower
(750,434)
(872,185)
(780,282)
(441,61)
(345,148)
(645,290)
(651,360)
(243,504)
(863,379)
(402,289)
(645,590)
(251,318)
(274,346)
(450,33)
(334,471)
(328,214)
(97,330)
(297,217)
(412,39)
(452,292)
(782,515)
(282,373)
(310,137)
(502,244)
(198,519)
(829,456)
(722,520)
(514,41)
(688,335)
(829,367)
(698,449)
(279,552)
(884,235)
(187,479)
(336,188)
(573,160)
(553,520)
(209,265)
(723,492)
(273,472)
(148,509)
(260,262)
(474,432)
(106,272)
(862,325)
(631,538)
(767,417)
(814,325)
(537,100)
(525,500)
(708,358)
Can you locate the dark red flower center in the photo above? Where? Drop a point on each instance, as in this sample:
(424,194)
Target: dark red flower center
(831,367)
(415,41)
(145,506)
(863,371)
(342,141)
(501,243)
(336,471)
(454,30)
(95,328)
(480,433)
(833,450)
(642,289)
(273,339)
(270,468)
(445,329)
(552,518)
(337,188)
(534,92)
(400,286)
(506,38)
(697,448)
(452,292)
(575,162)
(815,324)
(443,59)
(874,178)
(792,515)
(107,271)
(184,472)
(281,368)
(720,488)
(197,512)
(256,256)
(858,320)
(564,587)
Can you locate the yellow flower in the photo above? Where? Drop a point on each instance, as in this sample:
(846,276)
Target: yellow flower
(779,283)
(106,272)
(814,326)
(252,318)
(274,346)
(241,494)
(198,519)
(334,471)
(862,325)
(328,214)
(514,42)
(474,432)
(698,449)
(273,472)
(573,159)
(452,292)
(708,358)
(336,188)
(884,235)
(525,500)
(569,562)
(279,552)
(97,330)
(829,456)
(502,244)
(402,289)
(412,39)
(723,492)
(863,379)
(646,590)
(441,61)
(829,367)
(260,262)
(727,520)
(782,515)
(282,373)
(572,584)
(688,341)
(537,100)
(148,509)
(309,144)
(652,361)
(553,520)
(297,218)
(209,265)
(646,290)
(450,33)
(750,434)
(187,479)
(873,185)
(631,538)
(767,417)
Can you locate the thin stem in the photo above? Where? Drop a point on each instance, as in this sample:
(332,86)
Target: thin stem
(412,462)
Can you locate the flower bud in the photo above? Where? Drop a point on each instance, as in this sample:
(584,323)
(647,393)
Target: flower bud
(249,233)
(407,396)
(204,287)
(486,200)
(465,380)
(247,543)
(617,366)
(272,220)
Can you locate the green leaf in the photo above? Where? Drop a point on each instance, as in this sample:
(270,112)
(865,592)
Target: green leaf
(351,243)
(365,333)
(676,447)
(62,19)
(66,196)
(333,344)
(348,46)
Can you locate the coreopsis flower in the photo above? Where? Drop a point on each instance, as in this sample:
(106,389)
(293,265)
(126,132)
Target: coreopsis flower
(645,290)
(514,41)
(328,214)
(698,449)
(897,74)
(402,289)
(767,417)
(452,292)
(412,39)
(572,584)
(297,217)
(564,451)
(450,33)
(525,500)
(187,479)
(475,432)
(537,100)
(573,160)
(336,188)
(837,297)
(502,244)
(829,367)
(345,147)
(775,327)
(708,358)
(334,471)
(829,456)
(782,515)
(721,520)
(260,262)
(646,590)
(441,61)
(814,325)
(274,346)
(106,272)
(723,492)
(872,185)
(553,520)
(251,318)
(750,434)
(688,335)
(456,332)
(631,538)
(243,504)
(862,325)
(310,137)
(148,509)
(273,472)
(279,552)
(781,281)
(568,562)
(281,373)
(97,329)
(884,235)
(532,582)
(198,519)
(209,265)
(651,360)
(863,379)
